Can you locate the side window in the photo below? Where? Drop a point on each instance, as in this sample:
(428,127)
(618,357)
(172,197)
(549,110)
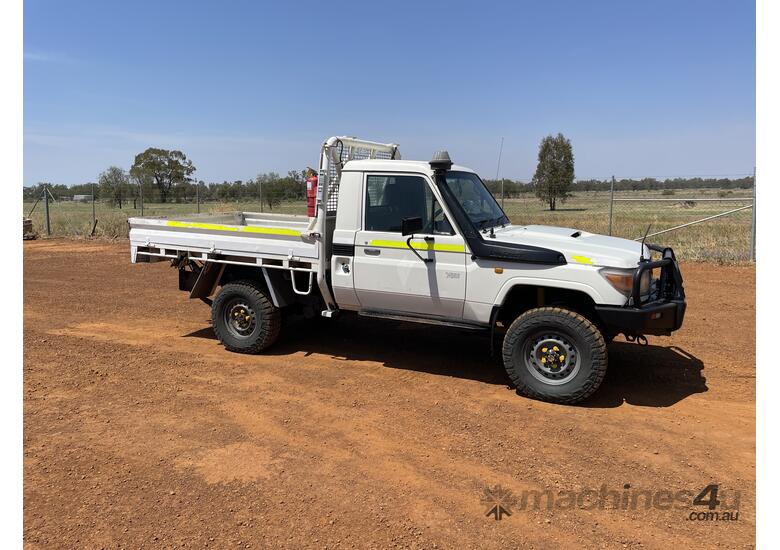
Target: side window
(438,224)
(390,199)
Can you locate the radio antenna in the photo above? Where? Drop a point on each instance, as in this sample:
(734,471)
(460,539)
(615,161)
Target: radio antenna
(498,169)
(642,251)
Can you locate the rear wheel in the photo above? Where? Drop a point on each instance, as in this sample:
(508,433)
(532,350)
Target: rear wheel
(555,354)
(244,318)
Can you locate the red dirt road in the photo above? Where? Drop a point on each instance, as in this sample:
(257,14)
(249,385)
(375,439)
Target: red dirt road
(142,431)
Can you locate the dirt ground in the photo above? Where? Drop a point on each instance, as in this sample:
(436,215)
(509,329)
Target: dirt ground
(142,431)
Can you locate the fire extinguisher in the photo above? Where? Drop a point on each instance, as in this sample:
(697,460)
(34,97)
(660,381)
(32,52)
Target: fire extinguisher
(311,194)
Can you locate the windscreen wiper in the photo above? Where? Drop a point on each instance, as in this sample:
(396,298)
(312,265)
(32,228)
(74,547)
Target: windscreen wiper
(483,223)
(492,222)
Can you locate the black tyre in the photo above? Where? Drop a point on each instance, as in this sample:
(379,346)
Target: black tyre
(554,354)
(244,318)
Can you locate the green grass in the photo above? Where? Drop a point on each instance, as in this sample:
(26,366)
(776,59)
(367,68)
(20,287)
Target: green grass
(725,240)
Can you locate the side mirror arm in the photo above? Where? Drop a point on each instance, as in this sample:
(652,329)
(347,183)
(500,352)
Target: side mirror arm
(427,239)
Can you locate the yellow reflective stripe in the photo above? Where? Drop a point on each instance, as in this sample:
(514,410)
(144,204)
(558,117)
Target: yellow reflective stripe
(388,244)
(236,228)
(582,260)
(270,230)
(444,247)
(419,245)
(213,226)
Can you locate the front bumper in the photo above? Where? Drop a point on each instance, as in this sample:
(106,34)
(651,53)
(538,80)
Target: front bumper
(662,313)
(660,318)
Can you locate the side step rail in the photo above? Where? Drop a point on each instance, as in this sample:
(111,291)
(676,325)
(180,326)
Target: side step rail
(295,288)
(394,316)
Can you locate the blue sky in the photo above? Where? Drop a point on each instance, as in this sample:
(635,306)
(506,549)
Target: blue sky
(641,88)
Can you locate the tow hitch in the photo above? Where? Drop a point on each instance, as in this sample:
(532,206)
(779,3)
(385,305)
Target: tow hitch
(639,339)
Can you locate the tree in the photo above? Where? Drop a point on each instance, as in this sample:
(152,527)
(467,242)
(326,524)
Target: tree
(269,188)
(165,168)
(555,172)
(142,185)
(113,184)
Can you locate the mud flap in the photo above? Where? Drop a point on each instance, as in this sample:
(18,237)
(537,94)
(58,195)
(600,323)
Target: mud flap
(207,280)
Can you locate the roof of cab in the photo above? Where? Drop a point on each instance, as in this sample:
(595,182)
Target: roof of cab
(386,165)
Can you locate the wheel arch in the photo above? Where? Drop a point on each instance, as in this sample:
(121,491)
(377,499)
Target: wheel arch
(270,280)
(584,288)
(519,297)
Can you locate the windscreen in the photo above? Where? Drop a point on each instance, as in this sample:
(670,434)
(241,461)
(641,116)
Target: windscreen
(475,199)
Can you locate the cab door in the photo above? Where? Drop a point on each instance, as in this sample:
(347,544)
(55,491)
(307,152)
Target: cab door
(390,270)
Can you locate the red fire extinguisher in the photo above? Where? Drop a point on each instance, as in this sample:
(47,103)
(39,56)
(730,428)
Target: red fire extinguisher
(311,194)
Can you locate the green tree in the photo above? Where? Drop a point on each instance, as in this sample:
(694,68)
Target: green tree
(269,187)
(165,168)
(555,171)
(142,185)
(113,184)
(34,192)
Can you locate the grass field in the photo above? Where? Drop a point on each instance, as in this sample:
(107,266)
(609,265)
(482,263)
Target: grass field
(724,240)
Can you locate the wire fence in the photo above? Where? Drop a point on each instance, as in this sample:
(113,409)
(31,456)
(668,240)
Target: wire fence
(90,216)
(700,224)
(706,228)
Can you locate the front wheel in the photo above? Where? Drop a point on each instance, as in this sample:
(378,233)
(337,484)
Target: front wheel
(554,354)
(244,318)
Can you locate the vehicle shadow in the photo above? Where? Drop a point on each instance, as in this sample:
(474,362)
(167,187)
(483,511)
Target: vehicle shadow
(648,376)
(651,376)
(409,346)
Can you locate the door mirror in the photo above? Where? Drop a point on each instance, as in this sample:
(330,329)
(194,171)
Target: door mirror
(410,226)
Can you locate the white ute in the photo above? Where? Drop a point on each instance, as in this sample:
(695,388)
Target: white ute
(424,242)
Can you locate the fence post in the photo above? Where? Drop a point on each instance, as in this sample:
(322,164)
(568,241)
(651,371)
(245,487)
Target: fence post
(94,221)
(260,187)
(46,209)
(753,221)
(611,202)
(197,195)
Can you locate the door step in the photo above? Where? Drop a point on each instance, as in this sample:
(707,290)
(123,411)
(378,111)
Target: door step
(395,316)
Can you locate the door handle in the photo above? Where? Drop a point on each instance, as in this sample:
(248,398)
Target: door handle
(372,251)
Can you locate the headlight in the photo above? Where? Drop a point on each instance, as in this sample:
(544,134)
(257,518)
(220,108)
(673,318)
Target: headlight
(623,280)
